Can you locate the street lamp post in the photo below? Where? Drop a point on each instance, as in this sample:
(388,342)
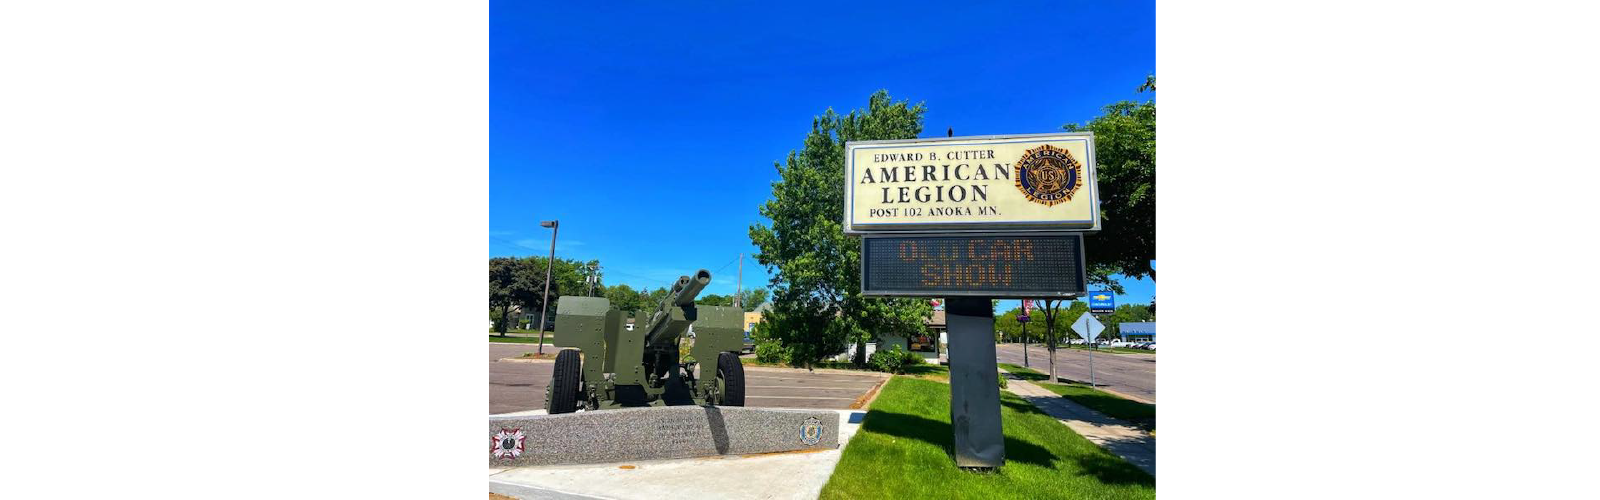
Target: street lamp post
(544,309)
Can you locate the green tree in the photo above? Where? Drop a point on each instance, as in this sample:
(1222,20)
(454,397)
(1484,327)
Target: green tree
(502,291)
(1066,315)
(817,302)
(625,298)
(518,282)
(1125,157)
(1006,326)
(714,300)
(653,298)
(752,298)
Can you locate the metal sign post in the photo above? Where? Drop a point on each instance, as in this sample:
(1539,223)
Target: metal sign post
(1090,328)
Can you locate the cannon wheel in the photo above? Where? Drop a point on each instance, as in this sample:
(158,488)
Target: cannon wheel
(730,379)
(564,382)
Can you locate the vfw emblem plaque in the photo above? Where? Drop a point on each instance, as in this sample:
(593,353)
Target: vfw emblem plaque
(507,444)
(811,431)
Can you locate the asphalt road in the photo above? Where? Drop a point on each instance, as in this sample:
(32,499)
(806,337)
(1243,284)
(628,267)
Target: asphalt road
(520,386)
(1130,374)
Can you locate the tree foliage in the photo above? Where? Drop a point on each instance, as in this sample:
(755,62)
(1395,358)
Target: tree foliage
(815,268)
(518,282)
(711,299)
(625,298)
(1125,156)
(751,299)
(1055,317)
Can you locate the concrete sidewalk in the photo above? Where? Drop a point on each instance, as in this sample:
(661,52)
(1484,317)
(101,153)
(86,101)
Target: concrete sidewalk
(797,475)
(1121,438)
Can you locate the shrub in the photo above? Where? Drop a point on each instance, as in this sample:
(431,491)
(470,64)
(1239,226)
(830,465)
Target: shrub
(892,360)
(910,358)
(769,348)
(1002,380)
(771,351)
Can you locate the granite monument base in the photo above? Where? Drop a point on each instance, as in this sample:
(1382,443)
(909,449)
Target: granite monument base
(656,433)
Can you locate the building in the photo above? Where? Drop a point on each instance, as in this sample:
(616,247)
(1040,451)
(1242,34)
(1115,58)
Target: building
(751,318)
(922,343)
(1138,332)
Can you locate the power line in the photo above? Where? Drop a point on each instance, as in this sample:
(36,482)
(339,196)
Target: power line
(725,266)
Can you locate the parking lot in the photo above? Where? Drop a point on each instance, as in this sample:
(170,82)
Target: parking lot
(519,386)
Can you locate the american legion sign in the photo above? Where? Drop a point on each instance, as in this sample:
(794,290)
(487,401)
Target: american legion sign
(1043,181)
(994,216)
(971,219)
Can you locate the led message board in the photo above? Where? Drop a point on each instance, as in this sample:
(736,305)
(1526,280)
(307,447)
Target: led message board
(992,265)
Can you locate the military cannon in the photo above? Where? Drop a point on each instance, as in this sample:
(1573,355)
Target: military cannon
(604,365)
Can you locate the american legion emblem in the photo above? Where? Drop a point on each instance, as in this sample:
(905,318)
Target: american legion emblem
(1048,175)
(507,444)
(811,431)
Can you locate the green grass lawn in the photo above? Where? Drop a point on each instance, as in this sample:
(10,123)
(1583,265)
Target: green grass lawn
(548,339)
(1141,414)
(903,451)
(1114,406)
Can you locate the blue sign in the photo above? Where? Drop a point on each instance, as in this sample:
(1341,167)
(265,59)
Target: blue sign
(1102,302)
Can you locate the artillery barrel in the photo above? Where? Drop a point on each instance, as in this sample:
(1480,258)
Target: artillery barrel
(688,288)
(662,334)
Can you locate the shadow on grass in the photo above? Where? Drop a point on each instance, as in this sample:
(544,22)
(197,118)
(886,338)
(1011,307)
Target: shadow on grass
(1023,407)
(1139,414)
(1020,372)
(927,369)
(1031,377)
(940,434)
(1112,470)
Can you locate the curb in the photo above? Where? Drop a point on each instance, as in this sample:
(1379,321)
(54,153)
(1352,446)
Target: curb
(523,360)
(524,491)
(817,370)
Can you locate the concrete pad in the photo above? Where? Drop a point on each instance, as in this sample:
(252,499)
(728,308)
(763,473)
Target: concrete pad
(768,476)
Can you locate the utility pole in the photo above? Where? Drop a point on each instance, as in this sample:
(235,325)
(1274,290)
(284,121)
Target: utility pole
(594,277)
(738,287)
(544,309)
(1025,346)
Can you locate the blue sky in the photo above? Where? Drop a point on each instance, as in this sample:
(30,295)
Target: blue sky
(650,130)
